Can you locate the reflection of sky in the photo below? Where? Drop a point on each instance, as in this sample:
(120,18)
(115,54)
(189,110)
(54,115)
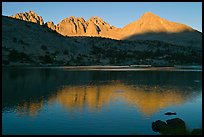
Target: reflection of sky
(114,107)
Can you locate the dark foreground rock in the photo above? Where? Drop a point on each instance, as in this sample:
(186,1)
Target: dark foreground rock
(175,126)
(196,132)
(170,113)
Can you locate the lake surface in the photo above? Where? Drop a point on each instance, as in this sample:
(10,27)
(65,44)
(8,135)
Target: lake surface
(61,101)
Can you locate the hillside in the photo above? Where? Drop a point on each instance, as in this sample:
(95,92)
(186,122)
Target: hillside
(30,43)
(152,27)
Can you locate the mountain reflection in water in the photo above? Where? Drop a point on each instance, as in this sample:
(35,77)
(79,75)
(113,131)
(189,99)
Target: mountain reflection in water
(95,97)
(29,90)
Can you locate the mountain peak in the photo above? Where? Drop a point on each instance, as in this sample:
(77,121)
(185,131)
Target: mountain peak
(72,17)
(31,12)
(96,19)
(151,23)
(148,15)
(30,16)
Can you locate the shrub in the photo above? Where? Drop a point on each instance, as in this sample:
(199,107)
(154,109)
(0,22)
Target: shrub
(14,55)
(46,59)
(43,47)
(14,39)
(5,62)
(65,52)
(22,42)
(27,25)
(56,52)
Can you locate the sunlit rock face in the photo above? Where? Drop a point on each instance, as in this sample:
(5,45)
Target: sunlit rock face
(150,22)
(92,29)
(30,16)
(147,99)
(101,26)
(71,26)
(50,25)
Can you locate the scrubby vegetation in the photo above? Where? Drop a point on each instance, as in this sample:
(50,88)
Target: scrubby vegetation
(45,46)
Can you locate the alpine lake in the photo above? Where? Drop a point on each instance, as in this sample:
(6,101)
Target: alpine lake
(61,101)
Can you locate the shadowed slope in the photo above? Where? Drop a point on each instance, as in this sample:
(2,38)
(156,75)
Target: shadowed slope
(184,38)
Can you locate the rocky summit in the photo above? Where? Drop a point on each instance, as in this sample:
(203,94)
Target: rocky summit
(50,25)
(152,27)
(30,16)
(73,26)
(150,22)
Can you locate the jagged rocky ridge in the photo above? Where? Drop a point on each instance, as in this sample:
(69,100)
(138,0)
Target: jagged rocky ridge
(30,16)
(24,42)
(148,27)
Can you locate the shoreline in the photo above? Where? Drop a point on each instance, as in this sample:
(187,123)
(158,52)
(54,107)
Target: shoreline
(115,68)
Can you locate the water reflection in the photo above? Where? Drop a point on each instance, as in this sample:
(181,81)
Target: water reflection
(30,108)
(27,91)
(148,99)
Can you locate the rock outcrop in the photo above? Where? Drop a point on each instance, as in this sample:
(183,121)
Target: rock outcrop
(102,25)
(50,25)
(92,29)
(30,16)
(175,126)
(72,26)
